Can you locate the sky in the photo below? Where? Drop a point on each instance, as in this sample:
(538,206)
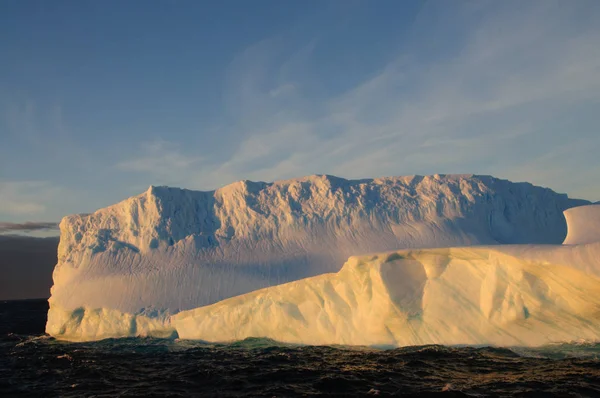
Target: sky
(100,99)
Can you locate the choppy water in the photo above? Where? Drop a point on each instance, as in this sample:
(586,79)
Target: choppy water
(32,364)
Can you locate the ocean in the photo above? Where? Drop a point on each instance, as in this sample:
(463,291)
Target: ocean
(33,364)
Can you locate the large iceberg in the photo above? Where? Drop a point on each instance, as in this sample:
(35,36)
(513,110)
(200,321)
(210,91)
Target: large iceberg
(154,264)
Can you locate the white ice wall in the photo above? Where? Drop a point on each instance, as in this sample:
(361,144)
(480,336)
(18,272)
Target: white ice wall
(169,249)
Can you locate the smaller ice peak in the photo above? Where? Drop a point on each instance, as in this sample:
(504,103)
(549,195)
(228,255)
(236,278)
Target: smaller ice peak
(441,176)
(583,225)
(242,187)
(166,193)
(153,191)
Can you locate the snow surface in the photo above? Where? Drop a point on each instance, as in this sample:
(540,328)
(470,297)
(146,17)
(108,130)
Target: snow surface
(123,270)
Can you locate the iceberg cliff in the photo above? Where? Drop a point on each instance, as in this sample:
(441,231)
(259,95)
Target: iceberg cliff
(125,269)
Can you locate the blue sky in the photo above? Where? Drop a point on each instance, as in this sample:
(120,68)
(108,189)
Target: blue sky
(100,99)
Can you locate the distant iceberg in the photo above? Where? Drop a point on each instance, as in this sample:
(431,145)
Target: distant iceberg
(160,263)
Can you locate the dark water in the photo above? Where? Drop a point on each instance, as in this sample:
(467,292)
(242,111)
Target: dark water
(32,364)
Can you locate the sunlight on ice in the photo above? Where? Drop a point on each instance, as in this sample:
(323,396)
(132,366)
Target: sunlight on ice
(214,265)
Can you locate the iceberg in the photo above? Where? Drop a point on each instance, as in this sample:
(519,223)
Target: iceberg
(505,296)
(262,260)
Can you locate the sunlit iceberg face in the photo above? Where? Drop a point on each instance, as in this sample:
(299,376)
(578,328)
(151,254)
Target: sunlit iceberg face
(510,296)
(132,268)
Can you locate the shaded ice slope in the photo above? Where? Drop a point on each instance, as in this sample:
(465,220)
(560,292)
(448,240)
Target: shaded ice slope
(171,249)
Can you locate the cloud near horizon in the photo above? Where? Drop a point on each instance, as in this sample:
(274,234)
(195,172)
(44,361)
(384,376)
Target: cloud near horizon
(29,226)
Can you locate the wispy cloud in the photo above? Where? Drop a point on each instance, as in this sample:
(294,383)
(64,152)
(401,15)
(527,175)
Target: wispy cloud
(28,226)
(35,123)
(25,197)
(282,90)
(26,200)
(496,90)
(19,118)
(162,159)
(499,100)
(565,163)
(41,129)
